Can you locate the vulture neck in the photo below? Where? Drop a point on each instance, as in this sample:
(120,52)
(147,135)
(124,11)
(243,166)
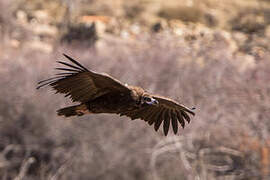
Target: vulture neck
(136,93)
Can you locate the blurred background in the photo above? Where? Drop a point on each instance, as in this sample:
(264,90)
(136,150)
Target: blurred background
(211,54)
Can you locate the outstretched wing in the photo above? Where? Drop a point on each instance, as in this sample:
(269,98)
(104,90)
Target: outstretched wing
(81,84)
(167,111)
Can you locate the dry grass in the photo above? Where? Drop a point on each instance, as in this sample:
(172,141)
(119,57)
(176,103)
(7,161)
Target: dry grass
(228,138)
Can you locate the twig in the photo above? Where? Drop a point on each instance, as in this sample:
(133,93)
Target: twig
(24,167)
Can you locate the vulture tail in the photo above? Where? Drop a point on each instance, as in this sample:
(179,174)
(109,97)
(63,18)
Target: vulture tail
(77,110)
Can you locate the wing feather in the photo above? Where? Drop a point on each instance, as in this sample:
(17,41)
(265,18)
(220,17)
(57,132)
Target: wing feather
(45,83)
(147,113)
(166,123)
(151,112)
(139,113)
(81,84)
(155,116)
(50,79)
(180,119)
(169,103)
(159,120)
(69,65)
(64,73)
(75,62)
(66,69)
(174,122)
(184,114)
(167,111)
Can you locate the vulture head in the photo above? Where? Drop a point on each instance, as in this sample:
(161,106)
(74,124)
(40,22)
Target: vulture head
(146,99)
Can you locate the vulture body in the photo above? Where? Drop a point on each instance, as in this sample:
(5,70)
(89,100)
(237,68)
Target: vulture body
(101,93)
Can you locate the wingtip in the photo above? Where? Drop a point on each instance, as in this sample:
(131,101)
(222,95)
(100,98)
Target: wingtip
(75,62)
(65,55)
(192,111)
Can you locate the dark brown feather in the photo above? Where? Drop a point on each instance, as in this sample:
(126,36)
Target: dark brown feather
(155,116)
(149,111)
(82,85)
(75,62)
(139,113)
(185,116)
(167,110)
(160,119)
(166,122)
(150,114)
(64,63)
(66,69)
(174,122)
(180,119)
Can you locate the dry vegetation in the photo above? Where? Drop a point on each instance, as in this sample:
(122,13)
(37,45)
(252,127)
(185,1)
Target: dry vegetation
(224,74)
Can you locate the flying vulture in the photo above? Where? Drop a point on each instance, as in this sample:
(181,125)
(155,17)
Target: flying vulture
(101,93)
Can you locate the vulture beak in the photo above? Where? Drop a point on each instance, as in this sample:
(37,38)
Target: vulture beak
(154,102)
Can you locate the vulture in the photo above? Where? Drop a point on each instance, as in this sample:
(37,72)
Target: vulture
(101,93)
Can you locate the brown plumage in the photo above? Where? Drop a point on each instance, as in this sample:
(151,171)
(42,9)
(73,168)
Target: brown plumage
(101,93)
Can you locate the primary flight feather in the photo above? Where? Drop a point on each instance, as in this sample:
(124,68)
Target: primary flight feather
(101,93)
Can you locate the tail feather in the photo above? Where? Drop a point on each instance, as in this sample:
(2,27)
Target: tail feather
(69,111)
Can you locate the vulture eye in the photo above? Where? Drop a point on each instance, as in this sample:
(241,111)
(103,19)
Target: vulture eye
(147,99)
